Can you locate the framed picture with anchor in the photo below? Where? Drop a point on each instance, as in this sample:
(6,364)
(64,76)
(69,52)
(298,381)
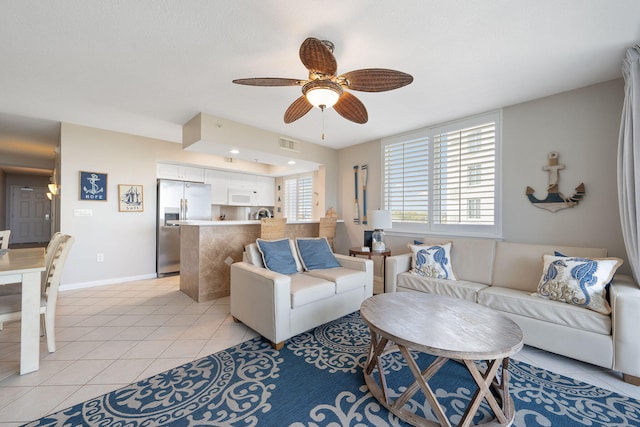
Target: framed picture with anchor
(93,186)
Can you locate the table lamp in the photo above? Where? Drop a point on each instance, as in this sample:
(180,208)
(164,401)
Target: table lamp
(379,219)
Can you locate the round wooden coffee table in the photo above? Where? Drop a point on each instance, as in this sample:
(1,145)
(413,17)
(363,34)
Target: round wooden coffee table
(447,328)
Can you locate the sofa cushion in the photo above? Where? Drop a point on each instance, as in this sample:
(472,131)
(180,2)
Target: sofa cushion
(252,255)
(519,265)
(528,305)
(316,254)
(279,256)
(472,259)
(578,281)
(432,261)
(459,288)
(345,279)
(306,289)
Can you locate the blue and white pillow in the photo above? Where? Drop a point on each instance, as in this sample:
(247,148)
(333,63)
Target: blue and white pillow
(432,261)
(315,254)
(279,256)
(578,281)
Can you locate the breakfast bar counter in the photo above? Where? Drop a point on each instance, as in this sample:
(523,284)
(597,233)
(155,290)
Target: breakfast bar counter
(208,248)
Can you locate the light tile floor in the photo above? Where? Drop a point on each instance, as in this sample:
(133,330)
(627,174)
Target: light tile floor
(114,335)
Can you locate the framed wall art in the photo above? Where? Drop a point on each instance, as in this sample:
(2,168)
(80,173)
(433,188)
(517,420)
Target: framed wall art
(93,186)
(130,198)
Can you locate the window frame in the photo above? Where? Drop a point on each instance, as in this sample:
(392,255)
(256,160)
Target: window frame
(428,133)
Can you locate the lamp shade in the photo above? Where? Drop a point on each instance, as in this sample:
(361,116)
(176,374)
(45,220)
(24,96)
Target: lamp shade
(379,219)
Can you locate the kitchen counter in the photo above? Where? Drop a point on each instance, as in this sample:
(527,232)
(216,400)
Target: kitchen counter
(208,248)
(237,222)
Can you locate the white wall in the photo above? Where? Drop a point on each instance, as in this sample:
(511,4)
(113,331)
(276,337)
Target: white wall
(126,239)
(582,125)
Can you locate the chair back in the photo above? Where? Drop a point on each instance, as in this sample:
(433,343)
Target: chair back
(328,229)
(4,238)
(272,228)
(52,282)
(48,256)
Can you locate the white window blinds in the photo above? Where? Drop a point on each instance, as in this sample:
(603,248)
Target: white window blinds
(298,197)
(445,179)
(464,170)
(405,177)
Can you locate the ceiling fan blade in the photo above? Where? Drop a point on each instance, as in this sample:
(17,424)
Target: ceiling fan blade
(317,57)
(267,81)
(375,79)
(297,109)
(351,108)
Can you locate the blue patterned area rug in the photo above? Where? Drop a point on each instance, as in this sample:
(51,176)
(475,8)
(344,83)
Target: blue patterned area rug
(317,380)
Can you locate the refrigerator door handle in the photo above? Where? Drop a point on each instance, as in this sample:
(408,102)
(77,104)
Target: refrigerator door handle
(181,209)
(186,208)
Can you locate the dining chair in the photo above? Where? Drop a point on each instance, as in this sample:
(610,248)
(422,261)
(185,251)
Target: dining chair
(16,288)
(4,239)
(11,305)
(327,229)
(272,228)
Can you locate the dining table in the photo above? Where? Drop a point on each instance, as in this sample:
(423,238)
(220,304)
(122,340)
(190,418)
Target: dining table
(26,266)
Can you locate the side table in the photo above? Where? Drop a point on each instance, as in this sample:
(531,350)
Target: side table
(384,254)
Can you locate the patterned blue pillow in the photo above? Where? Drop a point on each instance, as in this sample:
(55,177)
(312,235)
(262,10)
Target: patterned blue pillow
(578,281)
(277,256)
(316,254)
(432,261)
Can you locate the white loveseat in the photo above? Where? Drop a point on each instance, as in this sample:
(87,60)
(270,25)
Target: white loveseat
(279,306)
(505,277)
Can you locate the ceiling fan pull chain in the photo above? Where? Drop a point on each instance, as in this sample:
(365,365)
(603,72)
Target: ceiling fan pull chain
(322,108)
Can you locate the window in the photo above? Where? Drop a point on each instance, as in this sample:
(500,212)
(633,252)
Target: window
(298,196)
(444,179)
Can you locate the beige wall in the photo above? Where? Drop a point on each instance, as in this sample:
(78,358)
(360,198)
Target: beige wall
(126,239)
(582,125)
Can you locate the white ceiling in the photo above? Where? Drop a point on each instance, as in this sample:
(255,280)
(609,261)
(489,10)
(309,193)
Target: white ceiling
(146,67)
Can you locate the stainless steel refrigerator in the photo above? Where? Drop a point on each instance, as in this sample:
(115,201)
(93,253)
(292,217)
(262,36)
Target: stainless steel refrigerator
(177,201)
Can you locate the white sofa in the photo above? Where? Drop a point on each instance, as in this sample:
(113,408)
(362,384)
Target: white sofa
(505,277)
(279,306)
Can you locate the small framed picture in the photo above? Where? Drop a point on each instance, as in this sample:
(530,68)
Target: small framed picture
(130,198)
(93,186)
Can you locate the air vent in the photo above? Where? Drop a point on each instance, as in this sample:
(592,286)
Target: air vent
(289,145)
(229,160)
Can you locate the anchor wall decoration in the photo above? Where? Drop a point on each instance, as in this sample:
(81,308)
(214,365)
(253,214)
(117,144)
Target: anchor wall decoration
(555,200)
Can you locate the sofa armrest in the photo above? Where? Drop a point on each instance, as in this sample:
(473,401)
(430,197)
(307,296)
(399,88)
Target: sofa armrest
(625,315)
(395,265)
(355,263)
(359,264)
(261,299)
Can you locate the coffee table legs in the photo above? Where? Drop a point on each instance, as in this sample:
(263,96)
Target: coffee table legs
(488,388)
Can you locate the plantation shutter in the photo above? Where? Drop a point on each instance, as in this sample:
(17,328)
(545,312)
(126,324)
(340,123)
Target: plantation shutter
(406,180)
(305,197)
(290,198)
(464,178)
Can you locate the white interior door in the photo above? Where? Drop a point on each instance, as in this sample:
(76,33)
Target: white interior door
(30,219)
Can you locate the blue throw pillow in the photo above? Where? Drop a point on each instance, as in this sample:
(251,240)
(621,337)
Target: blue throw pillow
(277,256)
(316,254)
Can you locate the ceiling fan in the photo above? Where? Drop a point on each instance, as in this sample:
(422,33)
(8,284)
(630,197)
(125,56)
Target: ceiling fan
(325,89)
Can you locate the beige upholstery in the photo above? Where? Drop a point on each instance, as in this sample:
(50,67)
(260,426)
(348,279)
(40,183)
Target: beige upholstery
(279,306)
(4,238)
(10,305)
(272,228)
(327,229)
(505,276)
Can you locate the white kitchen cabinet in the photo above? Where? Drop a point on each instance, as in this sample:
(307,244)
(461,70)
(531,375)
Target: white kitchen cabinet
(180,172)
(266,191)
(219,187)
(241,181)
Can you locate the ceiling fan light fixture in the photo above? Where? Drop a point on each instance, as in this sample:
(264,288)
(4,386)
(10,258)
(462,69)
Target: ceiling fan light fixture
(322,93)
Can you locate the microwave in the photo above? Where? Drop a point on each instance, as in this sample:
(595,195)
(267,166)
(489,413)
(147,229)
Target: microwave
(241,197)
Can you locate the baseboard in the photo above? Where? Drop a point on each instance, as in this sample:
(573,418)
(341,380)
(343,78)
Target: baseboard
(113,281)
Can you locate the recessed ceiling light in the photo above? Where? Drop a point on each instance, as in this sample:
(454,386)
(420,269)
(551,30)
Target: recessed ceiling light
(291,162)
(234,151)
